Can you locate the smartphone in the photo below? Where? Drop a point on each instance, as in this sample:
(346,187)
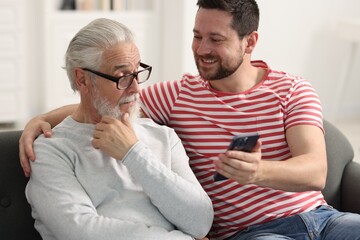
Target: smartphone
(241,143)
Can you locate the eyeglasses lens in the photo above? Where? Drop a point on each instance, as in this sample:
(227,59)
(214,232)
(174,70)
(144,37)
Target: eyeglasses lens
(141,77)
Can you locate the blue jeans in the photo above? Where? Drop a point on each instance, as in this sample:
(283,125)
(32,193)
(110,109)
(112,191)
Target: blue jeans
(324,222)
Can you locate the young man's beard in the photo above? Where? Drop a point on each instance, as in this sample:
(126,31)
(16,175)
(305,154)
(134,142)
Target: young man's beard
(221,72)
(104,107)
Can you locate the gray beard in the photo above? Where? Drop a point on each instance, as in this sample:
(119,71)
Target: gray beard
(104,107)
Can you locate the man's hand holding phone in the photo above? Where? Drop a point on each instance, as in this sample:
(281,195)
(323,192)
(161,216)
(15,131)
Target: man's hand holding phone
(241,164)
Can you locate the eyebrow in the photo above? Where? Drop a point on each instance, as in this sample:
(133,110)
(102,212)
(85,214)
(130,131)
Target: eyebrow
(213,34)
(124,66)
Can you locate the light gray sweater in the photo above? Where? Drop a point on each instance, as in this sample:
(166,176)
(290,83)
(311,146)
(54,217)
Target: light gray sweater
(78,192)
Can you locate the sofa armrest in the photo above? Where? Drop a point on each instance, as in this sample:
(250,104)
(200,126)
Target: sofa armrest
(350,193)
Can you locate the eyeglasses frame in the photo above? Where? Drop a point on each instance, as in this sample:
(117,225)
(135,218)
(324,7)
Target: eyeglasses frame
(118,79)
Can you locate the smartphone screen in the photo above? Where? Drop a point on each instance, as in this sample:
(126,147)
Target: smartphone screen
(241,143)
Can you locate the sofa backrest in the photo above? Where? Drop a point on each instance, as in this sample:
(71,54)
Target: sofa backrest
(15,213)
(339,153)
(16,222)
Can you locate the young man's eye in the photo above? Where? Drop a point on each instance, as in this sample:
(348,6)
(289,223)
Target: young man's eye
(216,40)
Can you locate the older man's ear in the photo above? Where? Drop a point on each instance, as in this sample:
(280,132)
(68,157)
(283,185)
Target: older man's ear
(81,79)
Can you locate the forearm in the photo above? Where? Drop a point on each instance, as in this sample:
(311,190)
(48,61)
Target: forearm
(178,196)
(95,227)
(297,174)
(54,117)
(307,168)
(91,226)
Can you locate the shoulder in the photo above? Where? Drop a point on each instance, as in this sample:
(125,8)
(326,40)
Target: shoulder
(284,81)
(148,125)
(274,75)
(150,129)
(67,134)
(185,81)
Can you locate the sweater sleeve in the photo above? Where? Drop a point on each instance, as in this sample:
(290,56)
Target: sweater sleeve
(65,210)
(174,191)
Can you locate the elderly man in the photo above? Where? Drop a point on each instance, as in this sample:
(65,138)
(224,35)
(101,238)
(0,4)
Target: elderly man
(134,183)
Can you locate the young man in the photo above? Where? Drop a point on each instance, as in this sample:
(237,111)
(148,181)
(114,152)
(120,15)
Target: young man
(134,183)
(273,192)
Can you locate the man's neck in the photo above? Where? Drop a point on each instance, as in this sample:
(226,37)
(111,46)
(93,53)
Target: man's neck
(245,78)
(85,115)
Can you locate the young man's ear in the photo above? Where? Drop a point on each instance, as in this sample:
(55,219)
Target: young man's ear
(251,41)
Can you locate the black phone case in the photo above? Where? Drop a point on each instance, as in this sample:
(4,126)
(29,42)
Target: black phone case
(241,143)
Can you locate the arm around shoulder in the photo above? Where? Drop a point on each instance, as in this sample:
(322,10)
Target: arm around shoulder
(40,124)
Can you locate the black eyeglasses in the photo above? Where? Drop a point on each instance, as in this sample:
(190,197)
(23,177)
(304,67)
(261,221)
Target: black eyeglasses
(124,82)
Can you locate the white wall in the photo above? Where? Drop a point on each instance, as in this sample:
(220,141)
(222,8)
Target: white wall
(35,66)
(301,37)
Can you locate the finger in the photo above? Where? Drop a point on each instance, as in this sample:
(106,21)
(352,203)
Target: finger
(232,165)
(99,126)
(228,170)
(29,150)
(95,143)
(26,154)
(98,134)
(219,167)
(46,129)
(24,161)
(240,155)
(107,119)
(222,162)
(104,123)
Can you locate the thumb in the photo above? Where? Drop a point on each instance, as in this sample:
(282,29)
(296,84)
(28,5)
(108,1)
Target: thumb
(257,147)
(125,118)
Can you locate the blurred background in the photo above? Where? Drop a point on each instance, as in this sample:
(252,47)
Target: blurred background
(318,40)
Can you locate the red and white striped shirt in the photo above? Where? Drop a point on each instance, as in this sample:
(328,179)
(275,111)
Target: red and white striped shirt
(206,120)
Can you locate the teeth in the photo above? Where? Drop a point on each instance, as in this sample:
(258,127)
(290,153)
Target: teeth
(208,61)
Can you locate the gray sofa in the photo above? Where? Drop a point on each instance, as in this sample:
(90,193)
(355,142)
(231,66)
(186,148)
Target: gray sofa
(342,188)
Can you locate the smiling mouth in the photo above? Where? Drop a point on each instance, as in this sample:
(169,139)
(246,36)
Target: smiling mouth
(208,61)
